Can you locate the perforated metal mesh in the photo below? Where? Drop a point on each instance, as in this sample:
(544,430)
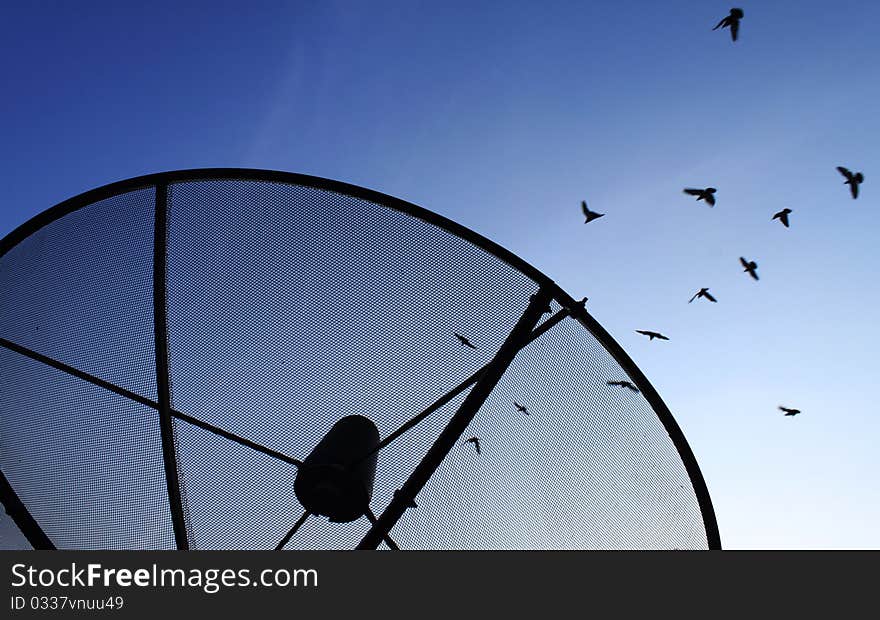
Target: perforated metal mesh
(589,466)
(80,291)
(290,306)
(87,463)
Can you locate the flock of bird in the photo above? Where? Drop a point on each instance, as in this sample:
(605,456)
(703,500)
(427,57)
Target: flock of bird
(707,195)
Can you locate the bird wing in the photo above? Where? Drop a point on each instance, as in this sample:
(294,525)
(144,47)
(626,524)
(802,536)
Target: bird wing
(854,189)
(710,198)
(721,23)
(692,192)
(662,337)
(845,172)
(784,219)
(584,208)
(694,297)
(744,262)
(754,273)
(639,331)
(734,28)
(709,297)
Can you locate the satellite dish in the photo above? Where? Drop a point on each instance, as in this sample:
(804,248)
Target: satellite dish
(246,359)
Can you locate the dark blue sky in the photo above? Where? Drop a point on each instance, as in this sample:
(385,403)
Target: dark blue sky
(503,116)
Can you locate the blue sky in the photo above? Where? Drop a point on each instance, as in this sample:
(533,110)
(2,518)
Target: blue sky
(503,116)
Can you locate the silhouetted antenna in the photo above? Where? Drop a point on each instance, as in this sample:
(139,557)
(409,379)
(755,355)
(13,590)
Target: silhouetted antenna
(191,361)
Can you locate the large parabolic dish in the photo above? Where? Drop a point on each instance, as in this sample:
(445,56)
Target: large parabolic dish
(173,346)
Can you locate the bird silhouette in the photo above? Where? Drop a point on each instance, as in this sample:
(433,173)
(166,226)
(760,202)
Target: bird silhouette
(853,180)
(731,21)
(464,341)
(707,194)
(651,335)
(623,384)
(476,442)
(789,411)
(750,266)
(703,292)
(590,215)
(521,408)
(782,216)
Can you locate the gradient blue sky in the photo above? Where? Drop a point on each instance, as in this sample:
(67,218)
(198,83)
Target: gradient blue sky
(503,116)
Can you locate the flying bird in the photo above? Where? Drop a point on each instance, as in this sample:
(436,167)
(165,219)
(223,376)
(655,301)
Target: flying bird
(731,21)
(623,384)
(782,216)
(464,341)
(703,292)
(476,442)
(590,215)
(750,266)
(707,194)
(789,411)
(521,408)
(651,335)
(853,180)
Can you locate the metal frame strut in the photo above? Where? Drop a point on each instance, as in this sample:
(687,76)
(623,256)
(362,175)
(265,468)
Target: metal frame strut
(450,435)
